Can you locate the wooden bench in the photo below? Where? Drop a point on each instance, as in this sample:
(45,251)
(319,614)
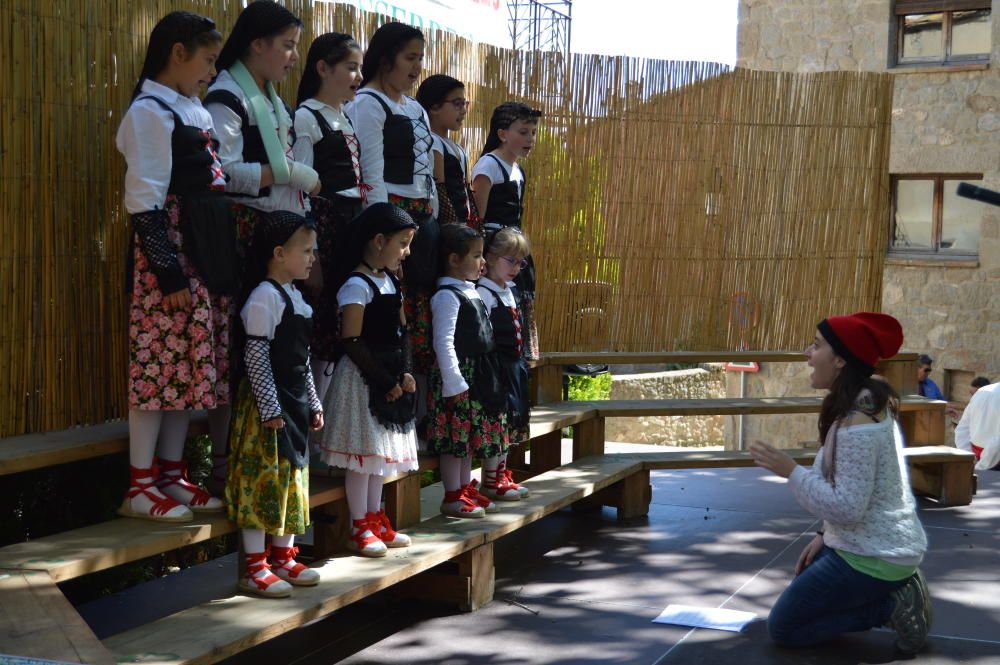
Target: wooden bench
(221,628)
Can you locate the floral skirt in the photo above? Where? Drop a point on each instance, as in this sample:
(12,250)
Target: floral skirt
(263,490)
(180,359)
(463,428)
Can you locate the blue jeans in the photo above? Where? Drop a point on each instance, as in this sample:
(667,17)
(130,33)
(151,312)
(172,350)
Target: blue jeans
(829,598)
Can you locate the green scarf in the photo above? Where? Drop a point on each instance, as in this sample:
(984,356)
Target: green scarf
(274,141)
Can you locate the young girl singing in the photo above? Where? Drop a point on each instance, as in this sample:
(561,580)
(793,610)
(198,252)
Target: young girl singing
(325,140)
(397,162)
(443,97)
(372,399)
(498,185)
(253,128)
(507,249)
(178,321)
(268,486)
(467,402)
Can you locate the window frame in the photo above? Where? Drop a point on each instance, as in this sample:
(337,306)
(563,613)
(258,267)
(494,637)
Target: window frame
(904,8)
(937,219)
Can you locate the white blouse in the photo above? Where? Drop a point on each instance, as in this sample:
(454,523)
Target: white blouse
(356,291)
(444,317)
(308,134)
(264,308)
(144,139)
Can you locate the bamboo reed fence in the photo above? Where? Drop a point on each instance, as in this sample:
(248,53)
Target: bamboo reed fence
(671,205)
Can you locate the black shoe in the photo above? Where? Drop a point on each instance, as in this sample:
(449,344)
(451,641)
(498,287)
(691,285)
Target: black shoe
(912,616)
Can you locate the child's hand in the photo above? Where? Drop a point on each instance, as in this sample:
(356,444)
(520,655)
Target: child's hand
(317,421)
(274,423)
(317,189)
(452,402)
(394,394)
(177,300)
(408,384)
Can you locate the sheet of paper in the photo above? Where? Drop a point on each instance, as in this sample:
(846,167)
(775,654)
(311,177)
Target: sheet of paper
(705,617)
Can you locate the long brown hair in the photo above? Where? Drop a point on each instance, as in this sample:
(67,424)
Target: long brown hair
(843,398)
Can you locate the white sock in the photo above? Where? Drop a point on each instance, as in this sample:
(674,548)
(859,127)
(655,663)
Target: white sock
(466,470)
(374,493)
(143,431)
(322,376)
(451,473)
(253,543)
(356,487)
(282,541)
(173,434)
(490,465)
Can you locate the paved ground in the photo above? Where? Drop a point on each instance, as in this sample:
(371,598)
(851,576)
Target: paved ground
(588,588)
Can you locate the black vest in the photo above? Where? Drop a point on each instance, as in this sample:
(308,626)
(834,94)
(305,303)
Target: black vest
(506,201)
(473,332)
(253,142)
(206,216)
(332,158)
(192,154)
(456,183)
(398,141)
(290,365)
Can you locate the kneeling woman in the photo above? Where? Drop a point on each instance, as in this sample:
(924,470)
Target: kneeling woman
(860,571)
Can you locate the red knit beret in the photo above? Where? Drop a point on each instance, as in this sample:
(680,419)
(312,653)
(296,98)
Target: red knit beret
(864,338)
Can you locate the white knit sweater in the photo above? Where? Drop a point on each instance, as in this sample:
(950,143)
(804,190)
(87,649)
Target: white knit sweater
(868,509)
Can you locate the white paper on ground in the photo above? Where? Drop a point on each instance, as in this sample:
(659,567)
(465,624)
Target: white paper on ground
(706,617)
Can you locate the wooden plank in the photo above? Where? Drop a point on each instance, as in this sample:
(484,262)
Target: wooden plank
(37,451)
(81,551)
(36,621)
(588,438)
(737,406)
(402,501)
(704,459)
(217,630)
(957,485)
(900,372)
(477,566)
(546,452)
(548,418)
(691,357)
(922,428)
(546,384)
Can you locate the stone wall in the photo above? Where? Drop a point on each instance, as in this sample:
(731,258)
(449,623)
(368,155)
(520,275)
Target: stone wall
(942,122)
(705,382)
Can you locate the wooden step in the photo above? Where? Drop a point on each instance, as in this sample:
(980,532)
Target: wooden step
(217,630)
(36,621)
(736,406)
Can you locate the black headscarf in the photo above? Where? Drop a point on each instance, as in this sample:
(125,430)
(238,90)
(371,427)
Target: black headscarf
(273,229)
(261,18)
(377,218)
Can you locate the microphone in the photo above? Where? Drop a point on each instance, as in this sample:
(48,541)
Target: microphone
(978,193)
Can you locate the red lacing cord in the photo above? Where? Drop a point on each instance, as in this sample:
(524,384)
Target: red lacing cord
(161,504)
(200,498)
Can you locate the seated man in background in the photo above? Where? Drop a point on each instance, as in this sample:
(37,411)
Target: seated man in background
(979,429)
(955,412)
(926,387)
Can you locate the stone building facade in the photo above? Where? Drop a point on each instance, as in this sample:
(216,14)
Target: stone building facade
(945,120)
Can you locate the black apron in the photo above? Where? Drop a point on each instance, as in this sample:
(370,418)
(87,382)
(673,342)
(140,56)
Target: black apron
(383,334)
(206,220)
(505,207)
(397,144)
(290,366)
(474,340)
(332,158)
(513,367)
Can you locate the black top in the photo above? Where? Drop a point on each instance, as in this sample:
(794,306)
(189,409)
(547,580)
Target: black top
(192,156)
(398,142)
(381,328)
(504,325)
(473,332)
(253,142)
(289,350)
(506,201)
(455,182)
(332,158)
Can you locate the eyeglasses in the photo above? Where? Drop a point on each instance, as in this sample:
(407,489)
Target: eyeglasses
(520,263)
(926,370)
(459,103)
